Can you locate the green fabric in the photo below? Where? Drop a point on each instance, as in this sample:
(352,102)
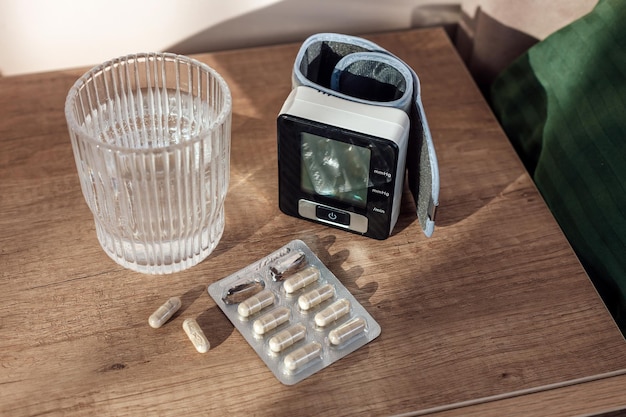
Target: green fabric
(563,106)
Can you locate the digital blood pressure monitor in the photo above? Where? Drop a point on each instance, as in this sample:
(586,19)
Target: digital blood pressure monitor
(347,133)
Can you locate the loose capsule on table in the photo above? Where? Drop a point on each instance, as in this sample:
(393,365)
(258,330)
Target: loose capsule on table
(333,312)
(301,279)
(347,331)
(302,356)
(316,296)
(196,335)
(286,265)
(271,320)
(256,303)
(164,312)
(287,337)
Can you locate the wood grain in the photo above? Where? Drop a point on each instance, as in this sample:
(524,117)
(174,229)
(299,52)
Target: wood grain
(602,397)
(493,304)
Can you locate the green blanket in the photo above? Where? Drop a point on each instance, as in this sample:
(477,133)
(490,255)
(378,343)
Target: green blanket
(563,106)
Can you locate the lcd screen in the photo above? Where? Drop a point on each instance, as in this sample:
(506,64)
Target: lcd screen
(335,169)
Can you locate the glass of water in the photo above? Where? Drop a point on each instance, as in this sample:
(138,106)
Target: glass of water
(151,139)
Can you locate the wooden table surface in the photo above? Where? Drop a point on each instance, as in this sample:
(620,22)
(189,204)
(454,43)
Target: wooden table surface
(492,315)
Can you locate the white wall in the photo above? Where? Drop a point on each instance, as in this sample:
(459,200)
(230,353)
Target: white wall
(37,35)
(41,35)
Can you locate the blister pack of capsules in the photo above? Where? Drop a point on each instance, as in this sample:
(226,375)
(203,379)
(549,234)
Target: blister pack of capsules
(294,312)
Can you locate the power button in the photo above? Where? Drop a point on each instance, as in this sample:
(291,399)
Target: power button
(332,215)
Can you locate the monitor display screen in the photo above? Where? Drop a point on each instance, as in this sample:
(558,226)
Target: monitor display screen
(335,169)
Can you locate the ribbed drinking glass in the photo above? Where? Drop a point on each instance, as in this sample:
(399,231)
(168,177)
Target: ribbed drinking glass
(151,139)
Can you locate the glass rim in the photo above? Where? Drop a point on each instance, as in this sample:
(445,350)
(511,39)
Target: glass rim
(70,100)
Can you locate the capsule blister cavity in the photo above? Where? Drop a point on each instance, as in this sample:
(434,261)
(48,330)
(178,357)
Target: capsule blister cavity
(282,340)
(347,331)
(316,296)
(301,357)
(256,303)
(301,279)
(196,335)
(162,314)
(243,290)
(286,265)
(271,320)
(332,313)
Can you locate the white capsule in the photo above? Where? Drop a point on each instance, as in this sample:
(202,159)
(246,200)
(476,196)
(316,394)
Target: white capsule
(196,335)
(317,296)
(347,331)
(333,312)
(301,279)
(164,313)
(287,337)
(271,320)
(255,303)
(302,356)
